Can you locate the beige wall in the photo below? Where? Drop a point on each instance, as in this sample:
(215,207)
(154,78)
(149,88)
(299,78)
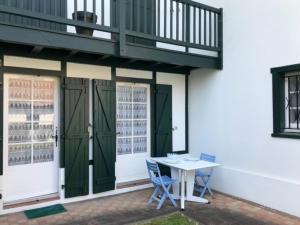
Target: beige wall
(134,73)
(25,62)
(88,71)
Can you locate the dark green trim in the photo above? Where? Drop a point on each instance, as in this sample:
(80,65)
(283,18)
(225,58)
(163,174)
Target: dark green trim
(56,40)
(91,59)
(31,71)
(220,38)
(143,52)
(134,80)
(113,73)
(187,113)
(1,114)
(62,114)
(285,69)
(286,135)
(278,89)
(153,113)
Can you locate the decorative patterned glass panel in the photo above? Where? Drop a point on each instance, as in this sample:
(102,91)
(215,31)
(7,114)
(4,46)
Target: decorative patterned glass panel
(43,152)
(31,119)
(124,128)
(124,111)
(19,132)
(43,111)
(43,90)
(140,144)
(19,110)
(131,119)
(140,94)
(19,89)
(19,154)
(140,128)
(42,132)
(124,94)
(124,146)
(139,111)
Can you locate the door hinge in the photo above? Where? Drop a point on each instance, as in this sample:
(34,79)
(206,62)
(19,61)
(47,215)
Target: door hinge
(91,162)
(0,196)
(63,187)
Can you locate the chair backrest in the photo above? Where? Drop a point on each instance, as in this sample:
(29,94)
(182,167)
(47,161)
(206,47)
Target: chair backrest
(207,157)
(153,169)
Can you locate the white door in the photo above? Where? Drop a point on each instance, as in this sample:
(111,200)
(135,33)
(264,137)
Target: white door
(30,145)
(133,131)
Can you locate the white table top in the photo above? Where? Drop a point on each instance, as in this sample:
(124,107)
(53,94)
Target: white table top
(184,164)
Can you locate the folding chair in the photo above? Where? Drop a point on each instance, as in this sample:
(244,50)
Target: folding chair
(162,185)
(204,176)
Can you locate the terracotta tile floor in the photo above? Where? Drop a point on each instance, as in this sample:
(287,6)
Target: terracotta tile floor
(131,207)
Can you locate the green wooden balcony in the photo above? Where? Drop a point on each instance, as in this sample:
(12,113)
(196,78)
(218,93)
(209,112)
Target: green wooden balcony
(162,35)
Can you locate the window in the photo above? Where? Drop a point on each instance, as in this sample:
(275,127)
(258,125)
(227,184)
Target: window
(286,101)
(132,119)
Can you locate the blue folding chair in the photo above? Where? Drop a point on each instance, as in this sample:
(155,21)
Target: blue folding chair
(162,185)
(204,176)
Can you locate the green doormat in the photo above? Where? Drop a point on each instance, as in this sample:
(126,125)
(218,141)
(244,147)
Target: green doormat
(45,211)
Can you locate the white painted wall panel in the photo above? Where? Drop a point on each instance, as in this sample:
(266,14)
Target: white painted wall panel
(231,110)
(178,106)
(25,62)
(88,71)
(142,74)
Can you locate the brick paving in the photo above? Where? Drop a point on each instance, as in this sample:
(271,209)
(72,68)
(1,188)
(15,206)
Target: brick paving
(132,207)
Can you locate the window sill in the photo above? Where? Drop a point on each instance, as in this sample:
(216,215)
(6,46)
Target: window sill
(286,135)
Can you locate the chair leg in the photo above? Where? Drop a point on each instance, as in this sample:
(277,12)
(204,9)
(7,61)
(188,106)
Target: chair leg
(206,183)
(165,196)
(171,197)
(154,194)
(162,200)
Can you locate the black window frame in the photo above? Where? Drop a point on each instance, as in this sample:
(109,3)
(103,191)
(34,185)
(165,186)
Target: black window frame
(279,101)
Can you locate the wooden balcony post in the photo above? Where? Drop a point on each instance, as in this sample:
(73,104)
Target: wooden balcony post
(220,38)
(188,25)
(122,26)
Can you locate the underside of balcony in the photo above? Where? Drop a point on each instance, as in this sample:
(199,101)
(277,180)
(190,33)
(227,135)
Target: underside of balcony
(124,43)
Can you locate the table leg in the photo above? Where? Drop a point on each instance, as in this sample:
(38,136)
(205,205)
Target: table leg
(182,189)
(175,174)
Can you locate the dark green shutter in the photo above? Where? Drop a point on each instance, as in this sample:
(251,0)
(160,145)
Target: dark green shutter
(76,136)
(104,139)
(163,122)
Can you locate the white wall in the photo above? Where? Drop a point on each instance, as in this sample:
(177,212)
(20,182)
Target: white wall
(231,110)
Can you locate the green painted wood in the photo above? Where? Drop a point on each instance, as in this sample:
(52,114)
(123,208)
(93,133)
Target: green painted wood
(163,123)
(278,102)
(76,136)
(47,7)
(144,52)
(104,135)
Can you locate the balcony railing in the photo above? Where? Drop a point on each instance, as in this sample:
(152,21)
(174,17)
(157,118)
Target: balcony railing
(181,26)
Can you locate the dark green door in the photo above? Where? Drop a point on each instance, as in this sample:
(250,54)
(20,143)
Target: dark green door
(104,140)
(163,122)
(76,136)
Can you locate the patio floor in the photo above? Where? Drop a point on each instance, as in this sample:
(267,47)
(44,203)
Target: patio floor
(131,207)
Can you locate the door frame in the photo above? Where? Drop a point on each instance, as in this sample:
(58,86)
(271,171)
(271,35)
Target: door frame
(149,126)
(20,71)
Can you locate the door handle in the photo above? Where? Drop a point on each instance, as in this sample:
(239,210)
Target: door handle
(55,137)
